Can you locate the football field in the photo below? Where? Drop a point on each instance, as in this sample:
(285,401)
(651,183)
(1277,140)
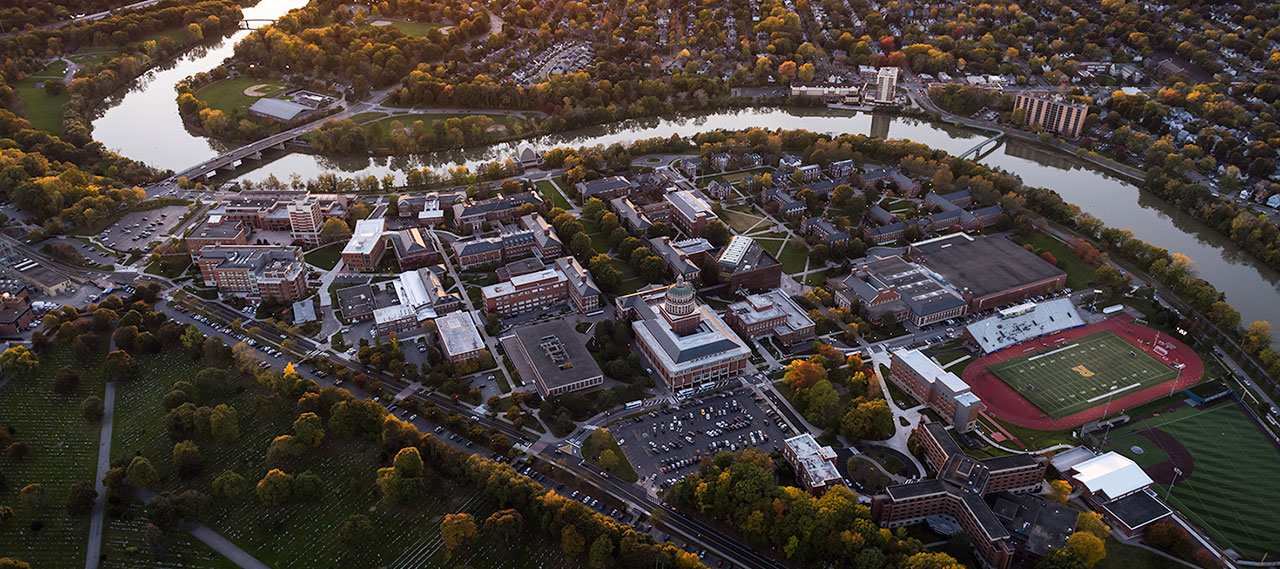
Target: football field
(1068,378)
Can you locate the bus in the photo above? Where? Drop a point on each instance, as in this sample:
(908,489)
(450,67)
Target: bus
(635,404)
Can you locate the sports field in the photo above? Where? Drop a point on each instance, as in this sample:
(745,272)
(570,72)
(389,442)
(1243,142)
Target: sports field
(1082,373)
(1228,472)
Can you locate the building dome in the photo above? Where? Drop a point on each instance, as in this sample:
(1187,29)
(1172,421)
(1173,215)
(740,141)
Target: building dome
(679,299)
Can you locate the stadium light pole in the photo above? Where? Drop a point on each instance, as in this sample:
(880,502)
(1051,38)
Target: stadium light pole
(1176,473)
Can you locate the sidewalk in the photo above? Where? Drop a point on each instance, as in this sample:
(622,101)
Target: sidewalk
(96,518)
(210,538)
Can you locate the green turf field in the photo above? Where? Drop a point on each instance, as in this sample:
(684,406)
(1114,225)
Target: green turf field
(1227,491)
(1069,378)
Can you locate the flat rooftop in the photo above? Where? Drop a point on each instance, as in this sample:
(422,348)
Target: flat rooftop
(555,352)
(982,265)
(365,237)
(1137,509)
(458,333)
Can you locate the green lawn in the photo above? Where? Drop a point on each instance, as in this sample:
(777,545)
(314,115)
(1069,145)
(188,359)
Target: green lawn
(64,450)
(591,452)
(793,255)
(1079,274)
(43,110)
(740,222)
(366,117)
(228,95)
(1083,373)
(416,29)
(326,257)
(93,57)
(865,472)
(552,193)
(1222,493)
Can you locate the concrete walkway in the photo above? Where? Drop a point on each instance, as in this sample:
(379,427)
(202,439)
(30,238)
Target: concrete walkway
(210,538)
(96,518)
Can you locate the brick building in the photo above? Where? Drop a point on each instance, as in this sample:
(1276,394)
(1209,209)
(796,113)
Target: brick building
(1053,112)
(459,337)
(500,208)
(264,271)
(364,251)
(216,230)
(938,389)
(686,343)
(16,314)
(554,356)
(745,265)
(564,280)
(414,249)
(771,314)
(814,464)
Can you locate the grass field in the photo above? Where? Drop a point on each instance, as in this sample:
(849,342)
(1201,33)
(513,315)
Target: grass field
(326,257)
(43,110)
(64,450)
(228,95)
(552,193)
(1079,273)
(1226,493)
(1070,378)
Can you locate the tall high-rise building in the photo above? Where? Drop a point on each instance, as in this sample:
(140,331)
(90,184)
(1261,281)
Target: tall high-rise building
(305,220)
(1053,112)
(886,84)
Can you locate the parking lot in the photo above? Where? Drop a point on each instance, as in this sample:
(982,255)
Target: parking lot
(665,446)
(139,228)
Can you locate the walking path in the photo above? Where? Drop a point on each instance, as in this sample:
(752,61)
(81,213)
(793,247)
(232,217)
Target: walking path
(96,519)
(210,538)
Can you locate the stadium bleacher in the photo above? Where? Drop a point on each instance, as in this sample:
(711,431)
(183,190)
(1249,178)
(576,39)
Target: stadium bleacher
(1023,322)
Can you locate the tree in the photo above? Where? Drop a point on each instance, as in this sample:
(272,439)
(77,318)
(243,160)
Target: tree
(192,339)
(6,516)
(356,532)
(802,374)
(593,209)
(308,429)
(1087,547)
(408,462)
(92,408)
(580,245)
(11,563)
(121,365)
(223,424)
(18,451)
(334,230)
(141,473)
(572,542)
(230,487)
(31,495)
(609,460)
(19,362)
(1092,523)
(716,233)
(457,530)
(931,561)
(187,459)
(503,526)
(66,381)
(1059,491)
(157,541)
(1060,559)
(601,553)
(80,498)
(275,488)
(308,487)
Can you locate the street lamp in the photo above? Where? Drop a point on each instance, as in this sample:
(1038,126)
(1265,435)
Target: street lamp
(1176,473)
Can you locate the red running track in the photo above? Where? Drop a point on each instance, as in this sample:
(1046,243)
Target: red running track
(1009,405)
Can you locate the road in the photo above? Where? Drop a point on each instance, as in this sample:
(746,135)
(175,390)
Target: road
(86,18)
(96,519)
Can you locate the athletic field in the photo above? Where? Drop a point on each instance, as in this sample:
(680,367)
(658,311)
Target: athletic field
(1228,480)
(1082,373)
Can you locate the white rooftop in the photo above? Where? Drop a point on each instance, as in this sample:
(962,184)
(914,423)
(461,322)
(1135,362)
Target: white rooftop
(516,282)
(1112,475)
(1024,322)
(736,249)
(392,313)
(365,237)
(458,333)
(278,108)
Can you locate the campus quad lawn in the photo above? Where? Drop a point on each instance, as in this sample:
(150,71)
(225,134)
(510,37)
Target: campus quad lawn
(303,535)
(1231,491)
(64,450)
(228,95)
(1069,378)
(550,192)
(739,221)
(793,256)
(416,29)
(326,257)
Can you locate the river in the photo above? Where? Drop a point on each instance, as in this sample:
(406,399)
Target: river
(1250,286)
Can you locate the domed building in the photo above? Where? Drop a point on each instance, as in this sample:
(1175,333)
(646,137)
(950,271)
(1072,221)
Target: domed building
(687,343)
